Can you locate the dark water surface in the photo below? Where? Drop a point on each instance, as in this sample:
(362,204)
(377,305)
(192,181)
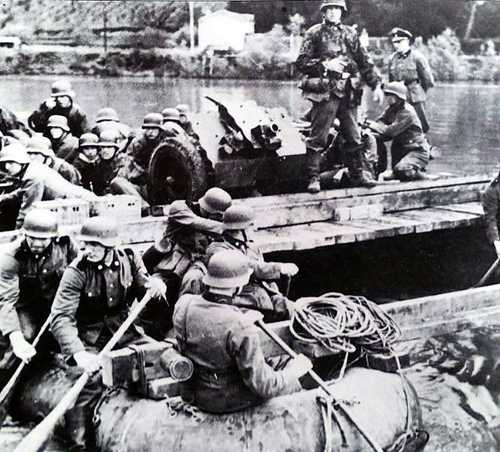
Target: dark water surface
(464,117)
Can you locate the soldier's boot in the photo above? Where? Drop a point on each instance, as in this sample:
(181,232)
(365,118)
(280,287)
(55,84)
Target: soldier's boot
(77,429)
(358,177)
(410,174)
(313,168)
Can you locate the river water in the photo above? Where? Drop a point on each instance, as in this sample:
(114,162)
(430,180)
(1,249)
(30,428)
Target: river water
(464,117)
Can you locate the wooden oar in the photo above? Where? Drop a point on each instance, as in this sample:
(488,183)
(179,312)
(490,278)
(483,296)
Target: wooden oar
(487,275)
(321,383)
(36,439)
(8,389)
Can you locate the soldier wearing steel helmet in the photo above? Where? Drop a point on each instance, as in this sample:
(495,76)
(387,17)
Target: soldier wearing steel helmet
(221,339)
(107,118)
(261,293)
(94,297)
(87,160)
(64,144)
(172,123)
(400,123)
(62,103)
(40,150)
(34,182)
(191,226)
(30,270)
(184,119)
(335,65)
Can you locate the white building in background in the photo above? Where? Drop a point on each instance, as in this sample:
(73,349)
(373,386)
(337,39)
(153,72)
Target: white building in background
(224,30)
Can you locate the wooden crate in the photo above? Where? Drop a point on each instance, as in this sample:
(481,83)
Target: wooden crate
(70,212)
(120,207)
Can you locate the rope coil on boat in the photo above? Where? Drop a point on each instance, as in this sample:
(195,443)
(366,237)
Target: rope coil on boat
(344,323)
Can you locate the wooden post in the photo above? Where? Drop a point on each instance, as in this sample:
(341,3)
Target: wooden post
(191,26)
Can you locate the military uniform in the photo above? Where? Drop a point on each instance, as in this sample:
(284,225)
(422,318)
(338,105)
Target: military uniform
(89,172)
(413,69)
(335,94)
(66,170)
(77,119)
(9,122)
(491,202)
(223,343)
(91,303)
(28,284)
(409,149)
(66,147)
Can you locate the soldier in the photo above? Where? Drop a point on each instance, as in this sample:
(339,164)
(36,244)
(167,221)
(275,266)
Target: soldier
(491,203)
(409,66)
(30,271)
(94,297)
(261,293)
(335,65)
(10,125)
(87,161)
(172,123)
(40,150)
(107,118)
(400,123)
(190,227)
(34,182)
(61,102)
(184,120)
(231,373)
(63,143)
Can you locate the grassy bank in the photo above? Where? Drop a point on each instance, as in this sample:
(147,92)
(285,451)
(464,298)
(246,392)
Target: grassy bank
(267,58)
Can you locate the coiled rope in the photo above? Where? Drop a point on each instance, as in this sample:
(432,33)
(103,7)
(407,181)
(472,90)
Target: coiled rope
(344,323)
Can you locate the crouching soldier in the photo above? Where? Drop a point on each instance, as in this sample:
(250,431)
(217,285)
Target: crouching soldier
(399,122)
(231,373)
(30,271)
(93,299)
(40,150)
(261,293)
(190,228)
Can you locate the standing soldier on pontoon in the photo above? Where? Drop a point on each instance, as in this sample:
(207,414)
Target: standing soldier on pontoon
(190,229)
(231,372)
(30,271)
(409,66)
(93,299)
(335,65)
(62,103)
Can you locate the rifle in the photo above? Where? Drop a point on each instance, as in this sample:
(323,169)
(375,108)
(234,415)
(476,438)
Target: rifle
(8,389)
(35,440)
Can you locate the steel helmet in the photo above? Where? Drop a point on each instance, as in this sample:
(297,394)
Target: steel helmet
(58,121)
(108,137)
(228,269)
(153,121)
(171,114)
(183,109)
(215,200)
(88,140)
(14,152)
(40,145)
(238,217)
(62,88)
(397,88)
(107,114)
(103,230)
(339,3)
(41,224)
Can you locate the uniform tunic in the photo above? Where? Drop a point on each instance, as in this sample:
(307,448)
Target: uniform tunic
(77,119)
(223,343)
(66,148)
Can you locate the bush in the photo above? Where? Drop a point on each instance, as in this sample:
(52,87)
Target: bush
(443,53)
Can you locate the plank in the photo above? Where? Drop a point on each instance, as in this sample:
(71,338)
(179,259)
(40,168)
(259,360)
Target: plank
(468,207)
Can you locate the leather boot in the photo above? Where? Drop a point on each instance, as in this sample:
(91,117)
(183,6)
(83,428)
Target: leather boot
(77,426)
(313,168)
(354,162)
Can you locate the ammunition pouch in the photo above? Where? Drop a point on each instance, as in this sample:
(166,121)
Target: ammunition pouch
(318,85)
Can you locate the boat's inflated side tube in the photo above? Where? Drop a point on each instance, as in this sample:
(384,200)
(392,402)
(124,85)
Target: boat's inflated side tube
(380,402)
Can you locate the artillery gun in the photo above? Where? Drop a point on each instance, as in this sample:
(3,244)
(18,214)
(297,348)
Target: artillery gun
(239,147)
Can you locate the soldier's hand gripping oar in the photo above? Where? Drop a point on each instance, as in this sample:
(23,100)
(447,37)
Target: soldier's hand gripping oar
(8,389)
(36,439)
(487,275)
(321,383)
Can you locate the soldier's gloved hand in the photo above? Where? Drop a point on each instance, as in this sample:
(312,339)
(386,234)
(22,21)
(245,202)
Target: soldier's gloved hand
(378,95)
(497,247)
(156,287)
(289,269)
(21,347)
(334,65)
(89,362)
(49,103)
(299,366)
